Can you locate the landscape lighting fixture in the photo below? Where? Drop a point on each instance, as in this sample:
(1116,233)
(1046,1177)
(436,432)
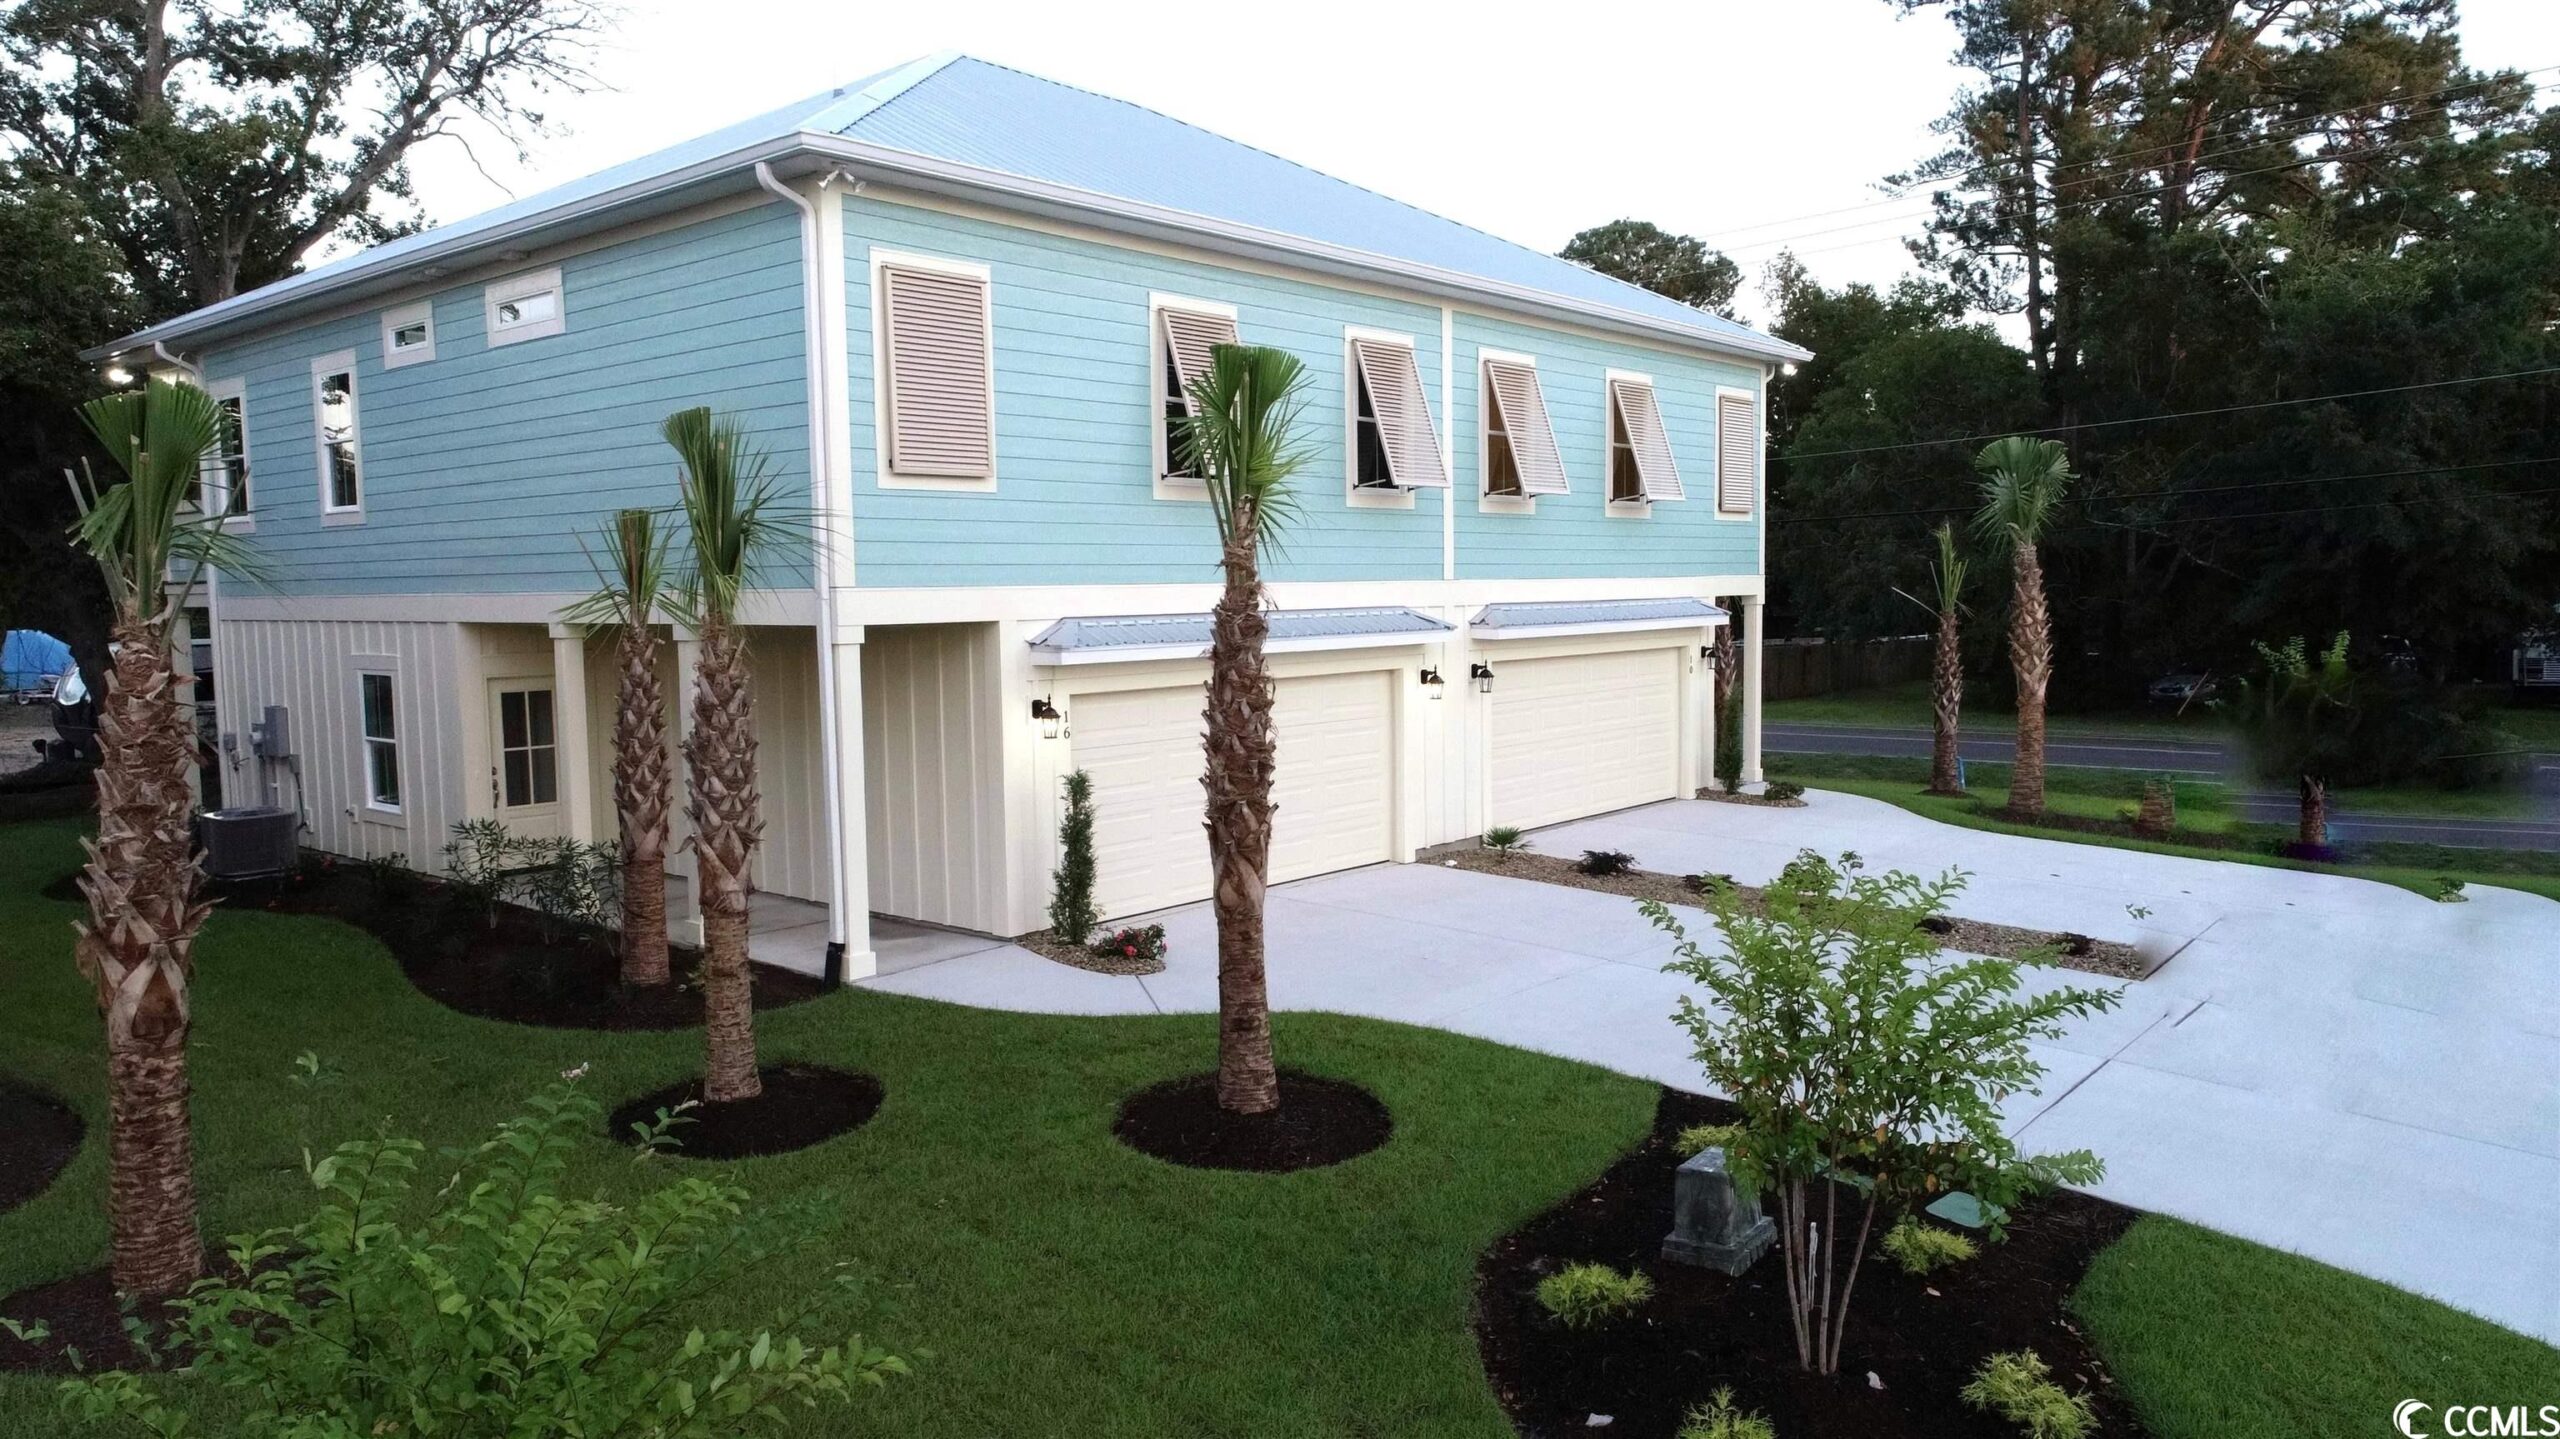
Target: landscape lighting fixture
(1051,721)
(1431,684)
(1482,674)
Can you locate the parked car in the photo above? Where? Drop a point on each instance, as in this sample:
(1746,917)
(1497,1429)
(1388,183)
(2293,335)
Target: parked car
(2533,667)
(2183,688)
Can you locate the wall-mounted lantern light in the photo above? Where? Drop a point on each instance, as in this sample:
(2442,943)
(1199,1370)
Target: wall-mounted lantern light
(119,376)
(1052,723)
(1482,674)
(1715,661)
(1431,684)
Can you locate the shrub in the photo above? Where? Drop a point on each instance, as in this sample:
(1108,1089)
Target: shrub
(568,883)
(1707,883)
(1699,1138)
(478,858)
(1917,1247)
(1601,863)
(2449,890)
(1719,1419)
(1132,942)
(1583,1295)
(1729,748)
(510,1307)
(2016,1387)
(1783,790)
(1810,874)
(2075,944)
(1505,840)
(1071,916)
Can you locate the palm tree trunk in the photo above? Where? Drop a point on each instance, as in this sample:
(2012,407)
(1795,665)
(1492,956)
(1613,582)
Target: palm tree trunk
(2031,657)
(641,796)
(137,949)
(2314,828)
(1242,754)
(1948,677)
(720,758)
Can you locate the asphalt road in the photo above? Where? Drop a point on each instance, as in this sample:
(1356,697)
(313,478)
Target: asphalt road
(2205,756)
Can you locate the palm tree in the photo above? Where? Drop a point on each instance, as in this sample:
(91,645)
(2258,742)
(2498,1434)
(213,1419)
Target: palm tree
(630,599)
(137,946)
(2295,719)
(729,515)
(1946,602)
(1244,413)
(2022,485)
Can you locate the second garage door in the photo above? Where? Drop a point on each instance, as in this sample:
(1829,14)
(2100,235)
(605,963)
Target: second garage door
(1583,734)
(1334,790)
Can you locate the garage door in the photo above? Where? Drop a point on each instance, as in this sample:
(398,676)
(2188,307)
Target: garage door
(1334,789)
(1583,734)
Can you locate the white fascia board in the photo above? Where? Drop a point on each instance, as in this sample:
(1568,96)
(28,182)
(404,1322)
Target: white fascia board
(1599,627)
(1310,644)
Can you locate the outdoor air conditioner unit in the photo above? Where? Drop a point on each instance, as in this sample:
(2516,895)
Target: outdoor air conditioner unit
(248,842)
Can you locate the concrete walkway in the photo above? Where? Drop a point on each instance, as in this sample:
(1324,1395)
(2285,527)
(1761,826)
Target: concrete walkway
(2321,1064)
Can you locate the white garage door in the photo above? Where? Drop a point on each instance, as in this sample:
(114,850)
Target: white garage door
(1334,789)
(1584,734)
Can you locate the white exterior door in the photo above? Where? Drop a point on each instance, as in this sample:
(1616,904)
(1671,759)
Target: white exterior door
(1577,735)
(524,757)
(1334,790)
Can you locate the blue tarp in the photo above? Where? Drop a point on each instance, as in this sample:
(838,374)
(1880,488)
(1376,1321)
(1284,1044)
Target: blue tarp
(28,656)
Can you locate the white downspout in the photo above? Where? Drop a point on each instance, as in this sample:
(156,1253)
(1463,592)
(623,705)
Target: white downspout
(822,532)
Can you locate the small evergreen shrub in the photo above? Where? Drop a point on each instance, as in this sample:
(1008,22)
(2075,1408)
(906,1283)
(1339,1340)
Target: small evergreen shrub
(1582,1296)
(1719,1419)
(1729,748)
(1784,790)
(1710,882)
(1697,1139)
(2449,890)
(1602,863)
(1071,916)
(1809,874)
(2018,1388)
(1133,942)
(1920,1248)
(1505,840)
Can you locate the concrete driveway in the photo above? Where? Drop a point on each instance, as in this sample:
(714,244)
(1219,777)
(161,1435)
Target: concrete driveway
(2325,1065)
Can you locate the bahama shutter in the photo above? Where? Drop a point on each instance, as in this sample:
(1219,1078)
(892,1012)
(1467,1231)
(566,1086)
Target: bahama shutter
(1404,415)
(941,409)
(1737,453)
(1523,405)
(1192,336)
(1643,419)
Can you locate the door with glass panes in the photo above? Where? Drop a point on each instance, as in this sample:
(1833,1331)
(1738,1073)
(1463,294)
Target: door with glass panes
(524,757)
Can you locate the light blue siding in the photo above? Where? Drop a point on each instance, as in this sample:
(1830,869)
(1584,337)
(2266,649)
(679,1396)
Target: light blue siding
(484,466)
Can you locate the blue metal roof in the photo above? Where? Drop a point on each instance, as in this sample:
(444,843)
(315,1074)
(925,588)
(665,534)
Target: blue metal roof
(1309,628)
(957,111)
(1613,614)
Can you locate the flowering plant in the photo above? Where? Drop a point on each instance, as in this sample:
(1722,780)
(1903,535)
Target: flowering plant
(1132,942)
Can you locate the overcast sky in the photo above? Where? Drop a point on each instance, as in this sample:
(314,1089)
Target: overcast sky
(1715,117)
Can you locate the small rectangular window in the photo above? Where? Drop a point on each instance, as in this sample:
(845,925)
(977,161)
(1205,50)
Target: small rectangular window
(938,349)
(528,750)
(1640,463)
(1185,340)
(1393,443)
(222,486)
(339,438)
(1737,453)
(408,335)
(524,307)
(381,735)
(1521,457)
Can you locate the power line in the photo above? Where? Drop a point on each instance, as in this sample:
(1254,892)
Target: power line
(2182,414)
(2178,494)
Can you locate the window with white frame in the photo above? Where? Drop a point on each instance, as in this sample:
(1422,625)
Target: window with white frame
(380,732)
(1520,454)
(936,326)
(337,436)
(1186,331)
(1737,452)
(222,482)
(408,335)
(1640,465)
(528,748)
(1393,443)
(524,307)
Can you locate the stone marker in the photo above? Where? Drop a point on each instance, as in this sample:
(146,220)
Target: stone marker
(1711,1223)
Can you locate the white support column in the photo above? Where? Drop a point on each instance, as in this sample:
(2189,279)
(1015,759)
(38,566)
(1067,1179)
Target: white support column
(569,732)
(852,807)
(684,927)
(1753,662)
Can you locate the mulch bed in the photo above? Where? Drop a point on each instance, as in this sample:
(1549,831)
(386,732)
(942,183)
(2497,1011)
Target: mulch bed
(81,1314)
(514,971)
(1047,945)
(1924,1338)
(1718,794)
(1972,936)
(38,1136)
(802,1105)
(1319,1122)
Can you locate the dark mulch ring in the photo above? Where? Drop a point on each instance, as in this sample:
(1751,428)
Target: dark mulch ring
(38,1135)
(81,1315)
(802,1105)
(1047,945)
(1319,1122)
(1721,796)
(1702,1330)
(518,970)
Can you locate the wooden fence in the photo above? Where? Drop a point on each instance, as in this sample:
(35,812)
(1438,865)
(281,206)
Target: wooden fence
(1800,669)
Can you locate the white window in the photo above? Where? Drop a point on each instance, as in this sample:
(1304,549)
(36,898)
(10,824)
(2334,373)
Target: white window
(528,749)
(408,335)
(524,307)
(380,730)
(222,486)
(1393,445)
(935,322)
(336,434)
(1737,451)
(1184,332)
(1521,459)
(1640,465)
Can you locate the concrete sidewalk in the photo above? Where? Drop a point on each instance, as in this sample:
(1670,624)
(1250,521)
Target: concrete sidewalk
(2325,1065)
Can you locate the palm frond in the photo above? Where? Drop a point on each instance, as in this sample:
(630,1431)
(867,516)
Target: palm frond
(1244,429)
(635,585)
(151,549)
(2023,481)
(731,511)
(1946,577)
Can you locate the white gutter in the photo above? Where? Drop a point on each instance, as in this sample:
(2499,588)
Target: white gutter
(822,542)
(1304,644)
(1595,627)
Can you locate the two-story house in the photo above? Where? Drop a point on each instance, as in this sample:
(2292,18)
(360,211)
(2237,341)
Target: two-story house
(956,303)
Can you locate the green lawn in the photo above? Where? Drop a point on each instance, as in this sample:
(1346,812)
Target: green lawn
(1063,1283)
(1906,705)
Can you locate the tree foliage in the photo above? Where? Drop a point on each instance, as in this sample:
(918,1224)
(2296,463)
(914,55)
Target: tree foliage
(1679,266)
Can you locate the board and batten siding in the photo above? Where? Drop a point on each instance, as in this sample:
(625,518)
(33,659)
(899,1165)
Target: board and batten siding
(933,764)
(791,782)
(1076,386)
(484,465)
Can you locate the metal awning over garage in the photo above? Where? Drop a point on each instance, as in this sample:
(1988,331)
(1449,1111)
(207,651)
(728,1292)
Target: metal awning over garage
(1555,618)
(1120,639)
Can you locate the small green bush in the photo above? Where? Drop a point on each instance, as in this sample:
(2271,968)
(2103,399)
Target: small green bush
(1709,882)
(1699,1138)
(1071,913)
(1582,1295)
(2018,1388)
(1783,790)
(1505,840)
(2449,890)
(1719,1419)
(1919,1248)
(1601,863)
